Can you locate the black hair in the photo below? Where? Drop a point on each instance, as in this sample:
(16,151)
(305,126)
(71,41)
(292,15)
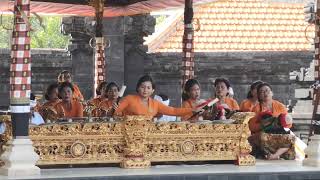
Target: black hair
(63,74)
(32,97)
(111,85)
(260,86)
(63,85)
(222,80)
(163,97)
(100,87)
(187,86)
(49,90)
(254,85)
(143,79)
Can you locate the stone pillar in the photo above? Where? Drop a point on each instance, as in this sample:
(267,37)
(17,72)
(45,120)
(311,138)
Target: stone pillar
(113,31)
(81,30)
(99,60)
(136,27)
(19,157)
(187,43)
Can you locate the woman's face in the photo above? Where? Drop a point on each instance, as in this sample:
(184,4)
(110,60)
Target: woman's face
(265,93)
(66,94)
(194,92)
(104,92)
(254,93)
(113,93)
(145,89)
(53,94)
(221,90)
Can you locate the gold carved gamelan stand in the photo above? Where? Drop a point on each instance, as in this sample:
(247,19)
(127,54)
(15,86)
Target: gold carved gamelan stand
(135,141)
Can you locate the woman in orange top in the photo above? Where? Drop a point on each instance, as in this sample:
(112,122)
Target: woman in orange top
(222,86)
(266,103)
(65,76)
(101,94)
(110,104)
(252,98)
(68,107)
(51,97)
(191,98)
(143,104)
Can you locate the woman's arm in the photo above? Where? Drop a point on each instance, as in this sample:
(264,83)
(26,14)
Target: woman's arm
(123,104)
(167,110)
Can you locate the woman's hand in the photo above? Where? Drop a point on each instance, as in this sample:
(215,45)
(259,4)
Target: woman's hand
(198,110)
(115,105)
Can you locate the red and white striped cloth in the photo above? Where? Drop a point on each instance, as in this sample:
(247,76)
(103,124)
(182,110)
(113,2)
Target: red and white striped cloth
(100,65)
(317,47)
(188,54)
(20,69)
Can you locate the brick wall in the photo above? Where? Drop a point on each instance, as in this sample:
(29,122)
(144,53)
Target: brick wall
(46,65)
(241,68)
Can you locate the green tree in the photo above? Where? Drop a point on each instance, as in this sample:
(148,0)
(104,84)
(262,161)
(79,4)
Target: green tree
(43,35)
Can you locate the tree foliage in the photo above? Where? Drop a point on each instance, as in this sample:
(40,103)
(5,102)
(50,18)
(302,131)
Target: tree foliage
(43,35)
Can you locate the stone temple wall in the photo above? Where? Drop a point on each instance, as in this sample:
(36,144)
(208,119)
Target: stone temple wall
(241,68)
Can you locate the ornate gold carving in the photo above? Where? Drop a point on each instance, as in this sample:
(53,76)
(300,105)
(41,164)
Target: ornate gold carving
(78,149)
(7,135)
(135,141)
(135,128)
(187,147)
(246,160)
(242,117)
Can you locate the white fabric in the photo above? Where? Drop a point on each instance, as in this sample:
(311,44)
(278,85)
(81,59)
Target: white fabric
(164,118)
(37,119)
(299,146)
(33,103)
(231,93)
(2,128)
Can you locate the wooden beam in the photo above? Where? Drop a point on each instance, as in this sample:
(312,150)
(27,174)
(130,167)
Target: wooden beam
(85,2)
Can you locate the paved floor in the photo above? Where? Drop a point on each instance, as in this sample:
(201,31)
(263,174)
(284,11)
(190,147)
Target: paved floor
(279,169)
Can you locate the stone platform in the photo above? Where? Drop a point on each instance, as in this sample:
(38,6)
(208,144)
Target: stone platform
(264,170)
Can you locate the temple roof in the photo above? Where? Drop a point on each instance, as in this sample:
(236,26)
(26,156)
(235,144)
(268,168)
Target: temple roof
(238,25)
(112,7)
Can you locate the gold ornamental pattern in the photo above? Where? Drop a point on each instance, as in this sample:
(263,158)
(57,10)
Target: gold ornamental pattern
(136,141)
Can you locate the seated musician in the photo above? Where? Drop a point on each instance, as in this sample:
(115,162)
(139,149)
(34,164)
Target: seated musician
(143,104)
(278,147)
(65,76)
(252,98)
(222,86)
(101,94)
(191,98)
(111,103)
(52,99)
(68,107)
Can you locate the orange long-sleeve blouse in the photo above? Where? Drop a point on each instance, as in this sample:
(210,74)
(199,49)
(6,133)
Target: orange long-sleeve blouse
(96,101)
(76,109)
(233,105)
(189,104)
(48,104)
(277,109)
(247,105)
(133,105)
(77,93)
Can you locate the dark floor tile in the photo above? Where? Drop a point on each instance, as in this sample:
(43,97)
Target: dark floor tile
(196,177)
(172,177)
(218,177)
(243,177)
